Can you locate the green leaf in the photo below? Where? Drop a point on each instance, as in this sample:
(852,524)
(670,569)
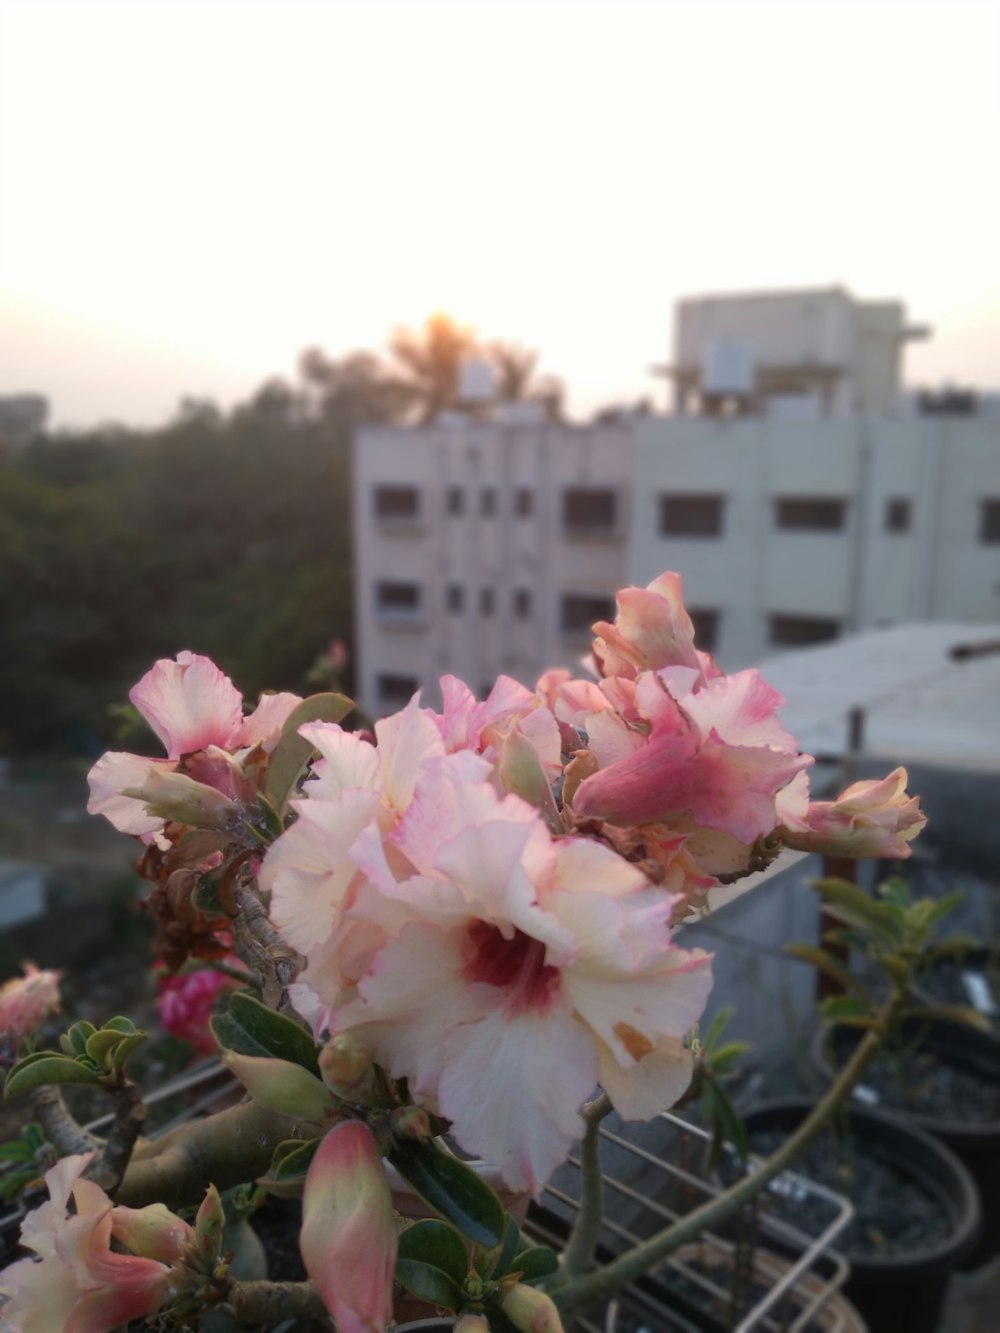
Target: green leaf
(101,1044)
(51,1068)
(250,1028)
(852,905)
(952,1013)
(78,1036)
(16,1151)
(438,1245)
(511,1246)
(120,1024)
(536,1263)
(429,1283)
(718,1025)
(831,966)
(293,752)
(452,1189)
(125,1048)
(289,1164)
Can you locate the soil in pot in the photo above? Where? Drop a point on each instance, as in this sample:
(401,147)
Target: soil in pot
(944,1078)
(916,1205)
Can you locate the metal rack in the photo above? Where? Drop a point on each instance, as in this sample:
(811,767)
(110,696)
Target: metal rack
(654,1174)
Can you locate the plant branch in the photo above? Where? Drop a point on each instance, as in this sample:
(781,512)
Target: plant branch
(578,1257)
(226,1149)
(262,949)
(61,1128)
(270,1304)
(601,1285)
(130,1116)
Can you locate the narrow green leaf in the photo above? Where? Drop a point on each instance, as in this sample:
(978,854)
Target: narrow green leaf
(854,907)
(952,1013)
(25,1077)
(293,752)
(833,968)
(429,1284)
(718,1025)
(250,1028)
(438,1245)
(838,1007)
(731,1122)
(498,1258)
(297,1161)
(534,1264)
(452,1189)
(15,1151)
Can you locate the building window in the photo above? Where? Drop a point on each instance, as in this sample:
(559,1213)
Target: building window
(809,514)
(801,631)
(706,628)
(586,509)
(399,600)
(522,603)
(487,502)
(454,500)
(578,611)
(691,515)
(989,522)
(397,503)
(523,502)
(487,601)
(395,691)
(455,598)
(897,514)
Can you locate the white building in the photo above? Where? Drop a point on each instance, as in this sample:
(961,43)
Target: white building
(790,533)
(807,353)
(483,548)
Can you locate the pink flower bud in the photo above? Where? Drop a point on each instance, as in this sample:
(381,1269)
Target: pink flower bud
(153,1232)
(25,1002)
(531,1310)
(210,1223)
(348,1237)
(176,797)
(472,1323)
(868,819)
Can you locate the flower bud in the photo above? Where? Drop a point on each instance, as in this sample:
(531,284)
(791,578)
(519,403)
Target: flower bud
(279,1085)
(153,1232)
(345,1064)
(531,1310)
(348,1237)
(411,1122)
(210,1223)
(176,797)
(472,1323)
(25,1002)
(874,818)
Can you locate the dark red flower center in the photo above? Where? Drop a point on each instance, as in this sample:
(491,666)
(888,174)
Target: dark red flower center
(516,966)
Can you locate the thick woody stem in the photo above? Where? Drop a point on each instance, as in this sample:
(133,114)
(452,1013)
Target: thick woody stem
(270,1304)
(61,1129)
(224,1150)
(262,949)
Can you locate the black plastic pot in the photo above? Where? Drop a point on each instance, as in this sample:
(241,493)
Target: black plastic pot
(901,1291)
(976,1143)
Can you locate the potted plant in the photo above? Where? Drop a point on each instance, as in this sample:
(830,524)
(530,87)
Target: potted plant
(461,925)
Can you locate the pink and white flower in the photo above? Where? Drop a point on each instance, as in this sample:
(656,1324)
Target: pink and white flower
(77,1283)
(874,818)
(26,1002)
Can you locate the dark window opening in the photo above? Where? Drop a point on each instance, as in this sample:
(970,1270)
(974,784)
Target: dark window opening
(706,628)
(812,515)
(691,515)
(588,510)
(523,502)
(396,690)
(897,514)
(487,601)
(522,603)
(397,596)
(578,611)
(455,598)
(397,502)
(989,522)
(488,502)
(801,631)
(455,500)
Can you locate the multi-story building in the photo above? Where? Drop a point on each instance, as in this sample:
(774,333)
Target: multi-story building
(483,548)
(790,533)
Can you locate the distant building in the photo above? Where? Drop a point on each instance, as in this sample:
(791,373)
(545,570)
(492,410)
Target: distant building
(808,353)
(483,548)
(23,417)
(794,533)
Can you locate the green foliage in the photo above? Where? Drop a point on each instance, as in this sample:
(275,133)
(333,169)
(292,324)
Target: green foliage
(25,1160)
(452,1189)
(89,1055)
(251,1028)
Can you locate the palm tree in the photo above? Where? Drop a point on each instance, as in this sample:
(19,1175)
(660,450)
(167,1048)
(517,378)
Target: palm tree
(432,357)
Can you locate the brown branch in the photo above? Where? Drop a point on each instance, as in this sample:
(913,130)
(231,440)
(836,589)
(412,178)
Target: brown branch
(262,949)
(268,1304)
(130,1116)
(61,1129)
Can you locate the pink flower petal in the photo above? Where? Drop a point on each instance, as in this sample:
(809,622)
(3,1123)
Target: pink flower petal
(190,704)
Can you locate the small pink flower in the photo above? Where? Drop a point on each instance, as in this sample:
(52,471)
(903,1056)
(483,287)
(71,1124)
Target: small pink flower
(77,1283)
(348,1236)
(25,1003)
(868,819)
(186,1002)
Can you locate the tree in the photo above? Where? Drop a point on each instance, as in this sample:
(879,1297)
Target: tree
(431,358)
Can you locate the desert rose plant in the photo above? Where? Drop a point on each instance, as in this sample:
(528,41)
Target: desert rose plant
(454,937)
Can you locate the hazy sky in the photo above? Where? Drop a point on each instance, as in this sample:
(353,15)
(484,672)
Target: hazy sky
(190,193)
